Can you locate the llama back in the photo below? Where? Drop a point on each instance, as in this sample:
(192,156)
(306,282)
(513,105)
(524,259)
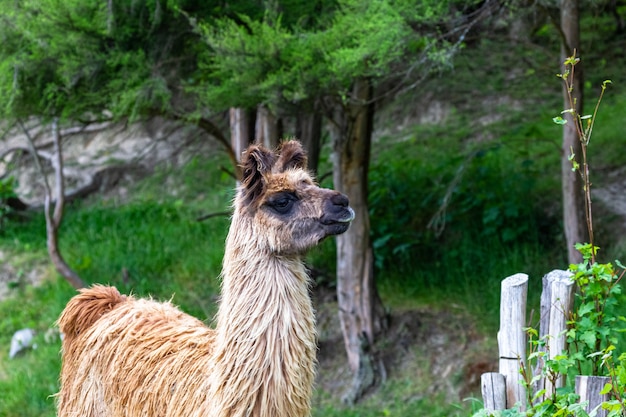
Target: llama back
(129,356)
(84,309)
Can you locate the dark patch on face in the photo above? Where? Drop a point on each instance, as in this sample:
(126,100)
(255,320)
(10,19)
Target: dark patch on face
(282,203)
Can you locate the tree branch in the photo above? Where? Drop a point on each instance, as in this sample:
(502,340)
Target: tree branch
(58,173)
(53,221)
(9,151)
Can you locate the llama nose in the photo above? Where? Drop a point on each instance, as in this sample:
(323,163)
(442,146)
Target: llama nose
(340,200)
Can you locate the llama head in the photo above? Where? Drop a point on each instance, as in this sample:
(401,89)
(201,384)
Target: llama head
(286,211)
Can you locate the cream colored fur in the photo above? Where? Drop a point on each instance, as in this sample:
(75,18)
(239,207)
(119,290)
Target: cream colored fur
(124,356)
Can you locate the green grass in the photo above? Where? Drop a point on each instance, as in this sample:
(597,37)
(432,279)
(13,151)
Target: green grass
(149,248)
(28,381)
(395,404)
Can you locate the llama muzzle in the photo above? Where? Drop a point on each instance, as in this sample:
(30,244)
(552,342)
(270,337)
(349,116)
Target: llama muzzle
(338,214)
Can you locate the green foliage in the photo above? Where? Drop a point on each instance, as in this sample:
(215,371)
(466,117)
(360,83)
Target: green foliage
(594,324)
(271,60)
(83,59)
(43,68)
(495,195)
(365,40)
(146,246)
(250,57)
(484,197)
(401,192)
(152,246)
(425,194)
(7,191)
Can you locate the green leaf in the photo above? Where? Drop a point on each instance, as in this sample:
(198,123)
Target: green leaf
(588,338)
(531,331)
(585,308)
(607,388)
(559,120)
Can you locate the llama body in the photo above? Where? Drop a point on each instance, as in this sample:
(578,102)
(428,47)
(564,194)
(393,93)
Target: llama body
(136,357)
(147,372)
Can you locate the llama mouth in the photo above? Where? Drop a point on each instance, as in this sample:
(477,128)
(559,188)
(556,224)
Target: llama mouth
(338,225)
(348,216)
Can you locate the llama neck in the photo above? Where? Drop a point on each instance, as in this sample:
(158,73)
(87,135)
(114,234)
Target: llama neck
(265,346)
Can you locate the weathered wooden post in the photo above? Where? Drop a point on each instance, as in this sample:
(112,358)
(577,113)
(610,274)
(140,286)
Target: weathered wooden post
(512,337)
(557,298)
(589,388)
(493,387)
(561,302)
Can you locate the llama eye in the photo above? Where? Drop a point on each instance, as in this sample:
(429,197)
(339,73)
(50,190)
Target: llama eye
(281,203)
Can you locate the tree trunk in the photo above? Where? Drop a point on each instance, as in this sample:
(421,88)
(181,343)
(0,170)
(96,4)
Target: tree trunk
(266,129)
(309,132)
(360,308)
(241,132)
(573,198)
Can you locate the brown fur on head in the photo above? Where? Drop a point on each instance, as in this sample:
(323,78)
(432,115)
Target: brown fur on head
(287,211)
(259,163)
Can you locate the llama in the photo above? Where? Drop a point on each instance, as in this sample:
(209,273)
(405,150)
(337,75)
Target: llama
(127,356)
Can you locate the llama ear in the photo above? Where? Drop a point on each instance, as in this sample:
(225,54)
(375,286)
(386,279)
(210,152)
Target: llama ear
(292,155)
(255,162)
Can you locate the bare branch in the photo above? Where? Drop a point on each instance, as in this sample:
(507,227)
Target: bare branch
(58,174)
(31,148)
(438,222)
(53,222)
(9,151)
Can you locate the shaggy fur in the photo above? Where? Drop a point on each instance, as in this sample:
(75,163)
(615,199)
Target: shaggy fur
(124,356)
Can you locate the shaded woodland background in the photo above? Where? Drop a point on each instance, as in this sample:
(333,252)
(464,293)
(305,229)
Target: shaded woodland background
(435,117)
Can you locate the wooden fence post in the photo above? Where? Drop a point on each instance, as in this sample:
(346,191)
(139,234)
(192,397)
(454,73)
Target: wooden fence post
(493,388)
(557,298)
(589,387)
(561,302)
(512,337)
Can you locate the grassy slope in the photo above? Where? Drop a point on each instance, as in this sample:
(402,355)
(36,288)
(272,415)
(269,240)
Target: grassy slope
(502,219)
